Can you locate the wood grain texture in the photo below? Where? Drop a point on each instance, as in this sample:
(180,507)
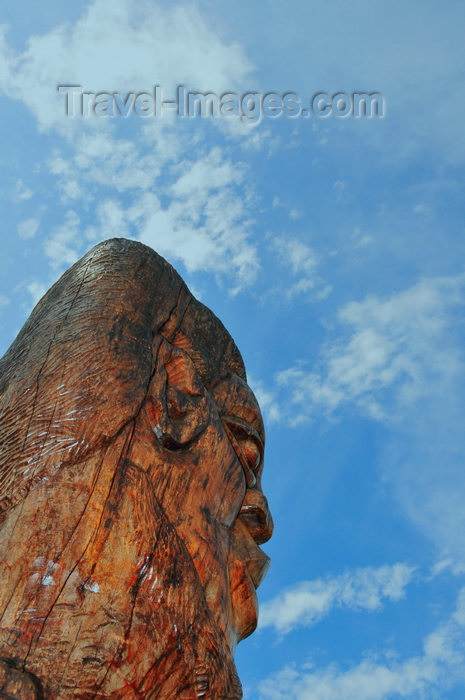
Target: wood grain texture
(131,509)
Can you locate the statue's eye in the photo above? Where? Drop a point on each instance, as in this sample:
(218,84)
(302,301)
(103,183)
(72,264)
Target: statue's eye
(247,445)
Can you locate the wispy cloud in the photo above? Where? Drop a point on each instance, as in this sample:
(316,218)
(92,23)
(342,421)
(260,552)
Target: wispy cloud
(302,262)
(423,677)
(207,222)
(204,221)
(306,603)
(62,246)
(116,45)
(165,185)
(107,160)
(37,291)
(21,193)
(399,360)
(389,354)
(267,400)
(28,228)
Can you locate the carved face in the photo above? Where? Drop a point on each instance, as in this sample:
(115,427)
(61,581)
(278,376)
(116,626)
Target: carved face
(131,510)
(205,450)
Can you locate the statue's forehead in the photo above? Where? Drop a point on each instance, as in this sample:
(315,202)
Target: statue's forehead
(215,365)
(195,329)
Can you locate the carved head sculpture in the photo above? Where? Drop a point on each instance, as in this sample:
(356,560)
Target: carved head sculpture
(131,510)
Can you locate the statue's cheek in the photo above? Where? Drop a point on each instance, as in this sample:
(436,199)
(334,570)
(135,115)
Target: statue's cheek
(223,479)
(190,450)
(202,481)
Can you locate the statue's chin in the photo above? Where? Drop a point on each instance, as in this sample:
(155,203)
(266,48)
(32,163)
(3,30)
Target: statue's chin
(244,601)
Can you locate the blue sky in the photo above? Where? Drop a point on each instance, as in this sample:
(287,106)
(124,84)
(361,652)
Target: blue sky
(332,249)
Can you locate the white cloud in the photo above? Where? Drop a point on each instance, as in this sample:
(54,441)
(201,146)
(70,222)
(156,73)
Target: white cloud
(302,262)
(446,565)
(71,190)
(294,213)
(115,162)
(206,176)
(298,255)
(160,186)
(309,601)
(117,45)
(405,344)
(62,246)
(340,189)
(106,160)
(112,220)
(360,239)
(423,677)
(4,300)
(399,360)
(21,192)
(28,228)
(267,400)
(204,219)
(206,222)
(37,291)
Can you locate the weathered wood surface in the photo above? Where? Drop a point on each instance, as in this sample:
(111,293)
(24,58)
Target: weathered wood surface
(130,501)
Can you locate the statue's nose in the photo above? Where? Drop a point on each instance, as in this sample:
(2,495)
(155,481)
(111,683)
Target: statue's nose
(256,516)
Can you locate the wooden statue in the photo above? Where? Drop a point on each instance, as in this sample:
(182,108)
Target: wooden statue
(131,510)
